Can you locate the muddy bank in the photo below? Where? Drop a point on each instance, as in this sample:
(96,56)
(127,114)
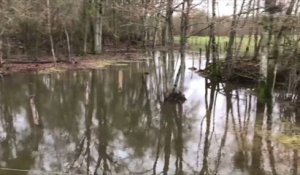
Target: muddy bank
(45,65)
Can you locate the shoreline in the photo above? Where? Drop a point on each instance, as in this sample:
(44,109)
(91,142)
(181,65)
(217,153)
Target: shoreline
(88,62)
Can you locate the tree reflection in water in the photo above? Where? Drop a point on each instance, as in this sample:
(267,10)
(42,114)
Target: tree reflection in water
(115,121)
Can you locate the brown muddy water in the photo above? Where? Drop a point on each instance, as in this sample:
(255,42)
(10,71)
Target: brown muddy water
(115,121)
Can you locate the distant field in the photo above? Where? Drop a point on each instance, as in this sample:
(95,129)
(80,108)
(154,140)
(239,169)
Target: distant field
(197,42)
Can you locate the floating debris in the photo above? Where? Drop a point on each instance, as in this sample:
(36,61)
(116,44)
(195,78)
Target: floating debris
(193,68)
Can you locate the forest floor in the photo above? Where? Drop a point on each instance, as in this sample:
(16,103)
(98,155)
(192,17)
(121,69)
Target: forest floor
(45,65)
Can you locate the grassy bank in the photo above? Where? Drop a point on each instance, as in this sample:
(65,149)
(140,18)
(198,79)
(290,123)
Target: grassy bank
(197,42)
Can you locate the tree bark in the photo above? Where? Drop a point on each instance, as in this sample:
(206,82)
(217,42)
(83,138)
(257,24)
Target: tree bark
(213,36)
(50,31)
(232,33)
(1,53)
(163,34)
(169,23)
(256,35)
(186,7)
(98,27)
(68,44)
(86,19)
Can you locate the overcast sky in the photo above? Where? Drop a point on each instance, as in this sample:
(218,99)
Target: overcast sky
(224,7)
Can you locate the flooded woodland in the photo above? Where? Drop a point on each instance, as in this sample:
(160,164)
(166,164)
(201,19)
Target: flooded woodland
(149,87)
(116,121)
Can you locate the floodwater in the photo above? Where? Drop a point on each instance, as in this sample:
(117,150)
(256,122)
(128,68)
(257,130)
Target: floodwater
(115,121)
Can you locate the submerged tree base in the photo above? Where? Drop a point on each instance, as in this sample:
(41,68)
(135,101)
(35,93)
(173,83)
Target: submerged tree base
(176,97)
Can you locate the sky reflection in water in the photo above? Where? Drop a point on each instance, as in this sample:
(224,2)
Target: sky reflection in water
(115,121)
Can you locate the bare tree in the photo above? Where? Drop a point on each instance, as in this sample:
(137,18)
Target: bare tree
(185,13)
(231,39)
(98,26)
(213,36)
(49,25)
(1,53)
(169,22)
(232,32)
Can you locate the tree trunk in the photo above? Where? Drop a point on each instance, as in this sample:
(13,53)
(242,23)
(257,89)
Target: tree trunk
(98,27)
(86,19)
(144,22)
(265,41)
(232,33)
(8,48)
(169,23)
(256,38)
(68,44)
(213,36)
(1,53)
(155,33)
(186,7)
(164,34)
(50,31)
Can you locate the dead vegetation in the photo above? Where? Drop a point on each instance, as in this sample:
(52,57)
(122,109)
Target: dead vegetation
(45,65)
(242,71)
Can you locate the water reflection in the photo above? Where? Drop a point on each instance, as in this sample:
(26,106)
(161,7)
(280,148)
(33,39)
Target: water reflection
(115,121)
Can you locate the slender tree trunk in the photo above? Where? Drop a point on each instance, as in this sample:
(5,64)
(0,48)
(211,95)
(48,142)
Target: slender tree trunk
(297,7)
(1,53)
(265,43)
(98,27)
(232,33)
(50,31)
(267,68)
(145,23)
(252,31)
(86,19)
(155,32)
(186,7)
(8,48)
(239,47)
(248,43)
(213,36)
(256,35)
(169,23)
(163,34)
(68,43)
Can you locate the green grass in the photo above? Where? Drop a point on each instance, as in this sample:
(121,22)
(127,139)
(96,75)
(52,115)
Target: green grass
(197,42)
